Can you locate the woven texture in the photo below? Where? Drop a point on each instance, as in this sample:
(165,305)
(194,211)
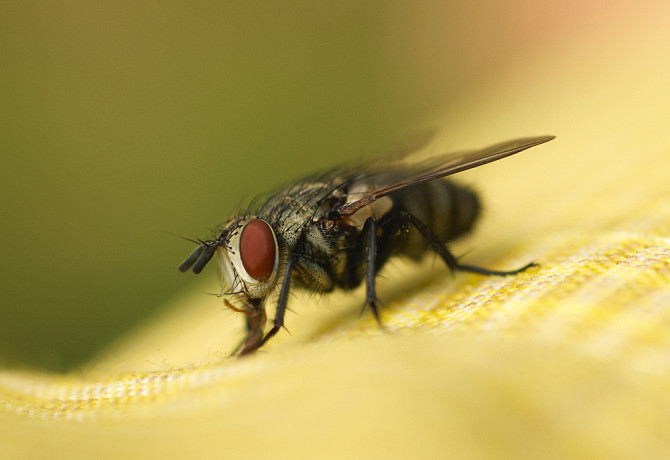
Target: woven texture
(569,359)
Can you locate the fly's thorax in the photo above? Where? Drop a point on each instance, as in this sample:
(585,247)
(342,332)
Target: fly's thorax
(250,258)
(292,212)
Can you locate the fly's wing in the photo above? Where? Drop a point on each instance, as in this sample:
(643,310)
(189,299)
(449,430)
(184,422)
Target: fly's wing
(444,166)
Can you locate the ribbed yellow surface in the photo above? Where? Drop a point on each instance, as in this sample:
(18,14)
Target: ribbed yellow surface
(569,359)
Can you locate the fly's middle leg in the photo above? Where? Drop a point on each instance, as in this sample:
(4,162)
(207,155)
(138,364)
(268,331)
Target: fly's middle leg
(370,232)
(441,249)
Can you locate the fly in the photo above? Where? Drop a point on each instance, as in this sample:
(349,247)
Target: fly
(337,229)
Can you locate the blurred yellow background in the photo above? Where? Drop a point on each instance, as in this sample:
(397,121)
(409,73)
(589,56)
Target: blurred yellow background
(123,124)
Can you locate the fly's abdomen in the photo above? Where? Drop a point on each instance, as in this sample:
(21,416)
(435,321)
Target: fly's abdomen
(449,210)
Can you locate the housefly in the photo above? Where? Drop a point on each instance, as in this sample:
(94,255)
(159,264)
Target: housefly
(338,228)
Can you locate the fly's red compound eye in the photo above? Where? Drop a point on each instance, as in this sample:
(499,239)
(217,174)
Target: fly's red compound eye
(258,249)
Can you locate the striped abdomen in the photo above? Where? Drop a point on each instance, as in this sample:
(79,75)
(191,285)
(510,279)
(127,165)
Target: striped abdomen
(447,209)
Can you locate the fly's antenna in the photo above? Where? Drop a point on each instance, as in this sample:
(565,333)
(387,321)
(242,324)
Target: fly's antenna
(200,257)
(205,250)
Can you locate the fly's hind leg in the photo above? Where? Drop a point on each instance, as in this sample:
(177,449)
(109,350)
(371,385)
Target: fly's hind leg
(440,248)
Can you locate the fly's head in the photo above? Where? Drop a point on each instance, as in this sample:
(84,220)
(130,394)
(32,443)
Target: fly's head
(248,254)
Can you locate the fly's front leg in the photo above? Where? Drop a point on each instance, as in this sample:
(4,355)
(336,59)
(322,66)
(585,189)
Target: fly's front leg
(439,247)
(281,303)
(370,234)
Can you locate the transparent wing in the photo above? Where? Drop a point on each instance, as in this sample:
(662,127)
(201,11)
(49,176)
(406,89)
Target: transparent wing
(443,166)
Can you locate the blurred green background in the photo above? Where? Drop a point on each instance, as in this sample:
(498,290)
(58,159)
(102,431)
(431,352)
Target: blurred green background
(124,122)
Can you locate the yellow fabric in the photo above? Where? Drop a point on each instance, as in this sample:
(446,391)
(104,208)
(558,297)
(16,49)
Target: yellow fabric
(568,359)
